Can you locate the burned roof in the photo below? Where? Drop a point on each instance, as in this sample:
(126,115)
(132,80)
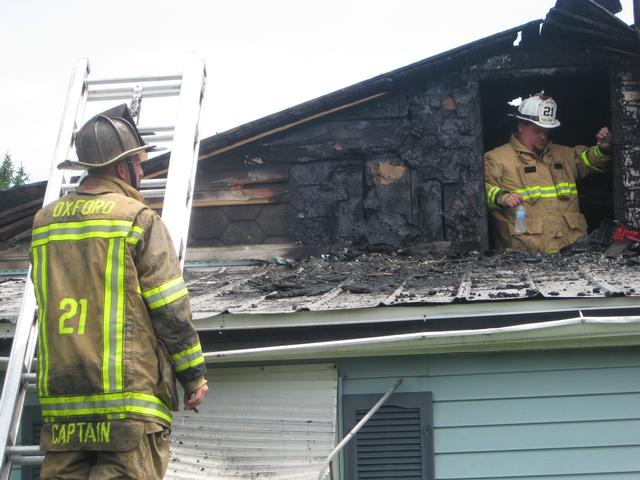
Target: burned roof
(350,279)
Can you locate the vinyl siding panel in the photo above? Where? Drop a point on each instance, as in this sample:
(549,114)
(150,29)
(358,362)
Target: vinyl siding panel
(537,410)
(538,436)
(531,415)
(542,462)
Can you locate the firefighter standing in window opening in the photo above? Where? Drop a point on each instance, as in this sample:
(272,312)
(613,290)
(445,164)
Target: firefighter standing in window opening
(537,177)
(114,317)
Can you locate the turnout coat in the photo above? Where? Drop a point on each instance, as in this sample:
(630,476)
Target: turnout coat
(114,319)
(547,183)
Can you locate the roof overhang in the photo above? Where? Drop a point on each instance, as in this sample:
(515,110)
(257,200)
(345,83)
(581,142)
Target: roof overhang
(581,332)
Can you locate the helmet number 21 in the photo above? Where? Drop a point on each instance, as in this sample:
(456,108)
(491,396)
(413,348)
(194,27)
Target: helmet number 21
(72,309)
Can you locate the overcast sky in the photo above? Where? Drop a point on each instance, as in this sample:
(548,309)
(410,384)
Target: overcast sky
(262,55)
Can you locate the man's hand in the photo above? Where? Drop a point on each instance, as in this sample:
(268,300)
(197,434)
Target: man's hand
(195,398)
(511,200)
(603,137)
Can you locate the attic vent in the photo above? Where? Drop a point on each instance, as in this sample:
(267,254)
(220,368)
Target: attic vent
(389,445)
(396,441)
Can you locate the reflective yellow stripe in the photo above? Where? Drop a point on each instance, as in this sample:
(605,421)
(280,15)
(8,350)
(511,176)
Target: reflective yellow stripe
(102,404)
(119,318)
(600,154)
(82,224)
(40,285)
(165,293)
(113,317)
(80,231)
(587,163)
(188,358)
(134,235)
(553,191)
(492,193)
(189,364)
(106,319)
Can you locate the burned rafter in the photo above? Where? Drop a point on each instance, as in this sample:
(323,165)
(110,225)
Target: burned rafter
(587,22)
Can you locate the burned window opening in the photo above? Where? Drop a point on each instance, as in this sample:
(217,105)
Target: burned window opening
(584,106)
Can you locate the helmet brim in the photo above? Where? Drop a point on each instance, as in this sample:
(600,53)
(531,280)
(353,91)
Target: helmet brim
(547,125)
(77,165)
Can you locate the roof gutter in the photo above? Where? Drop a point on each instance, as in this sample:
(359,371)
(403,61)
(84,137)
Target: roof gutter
(580,332)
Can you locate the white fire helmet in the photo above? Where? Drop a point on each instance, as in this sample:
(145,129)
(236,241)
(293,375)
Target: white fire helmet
(539,110)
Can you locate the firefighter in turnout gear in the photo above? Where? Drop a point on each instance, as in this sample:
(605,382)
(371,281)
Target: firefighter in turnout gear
(541,176)
(114,317)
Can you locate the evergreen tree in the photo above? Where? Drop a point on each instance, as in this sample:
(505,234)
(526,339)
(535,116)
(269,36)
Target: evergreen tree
(6,171)
(9,175)
(20,177)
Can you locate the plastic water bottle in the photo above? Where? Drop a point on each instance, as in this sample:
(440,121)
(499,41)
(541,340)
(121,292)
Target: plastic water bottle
(521,219)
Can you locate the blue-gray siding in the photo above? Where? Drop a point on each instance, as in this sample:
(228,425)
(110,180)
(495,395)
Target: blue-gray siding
(535,415)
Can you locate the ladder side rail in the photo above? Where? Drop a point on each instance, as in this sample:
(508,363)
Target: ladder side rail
(19,361)
(73,113)
(176,210)
(194,162)
(25,334)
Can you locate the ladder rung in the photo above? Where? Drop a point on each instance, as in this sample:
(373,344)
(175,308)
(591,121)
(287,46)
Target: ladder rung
(158,138)
(154,183)
(125,93)
(24,450)
(158,128)
(29,377)
(153,193)
(35,460)
(153,187)
(26,454)
(112,81)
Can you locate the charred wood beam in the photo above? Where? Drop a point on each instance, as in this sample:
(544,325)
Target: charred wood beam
(614,6)
(237,196)
(18,196)
(238,173)
(588,22)
(592,10)
(26,210)
(16,228)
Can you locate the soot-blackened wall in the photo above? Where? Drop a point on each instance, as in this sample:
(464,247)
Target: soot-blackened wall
(399,169)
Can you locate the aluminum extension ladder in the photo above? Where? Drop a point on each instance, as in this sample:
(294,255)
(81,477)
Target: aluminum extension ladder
(183,141)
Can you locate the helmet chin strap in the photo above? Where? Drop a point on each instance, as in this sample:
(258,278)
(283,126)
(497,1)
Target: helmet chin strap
(133,179)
